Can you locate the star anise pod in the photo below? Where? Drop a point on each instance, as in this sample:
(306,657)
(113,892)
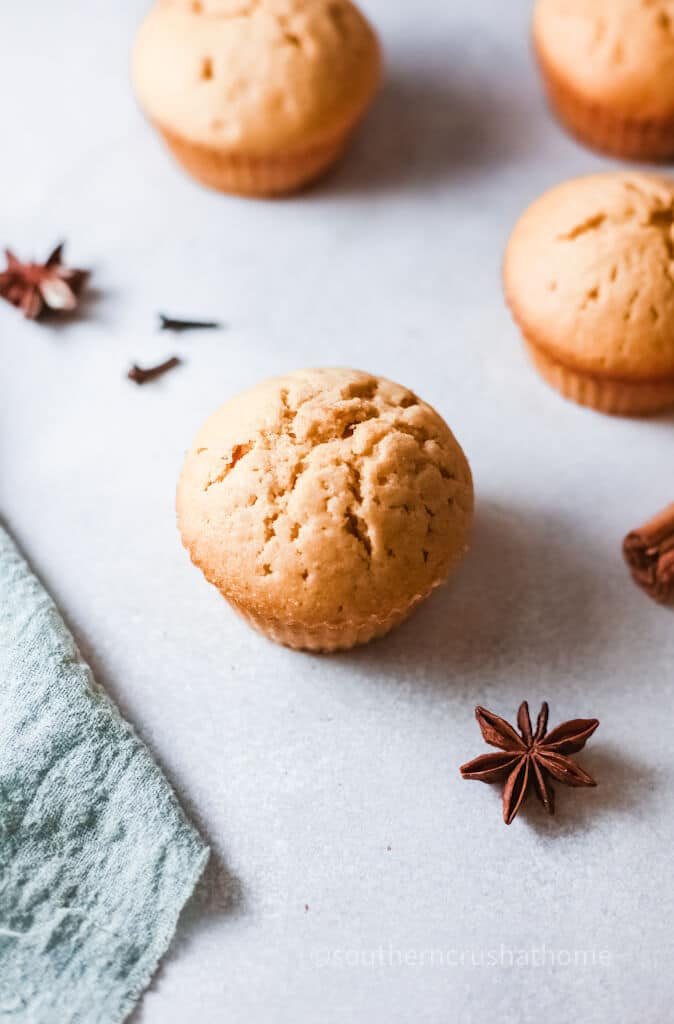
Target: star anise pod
(530,759)
(32,287)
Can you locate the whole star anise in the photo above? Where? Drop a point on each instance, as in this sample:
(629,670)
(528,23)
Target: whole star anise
(32,287)
(531,758)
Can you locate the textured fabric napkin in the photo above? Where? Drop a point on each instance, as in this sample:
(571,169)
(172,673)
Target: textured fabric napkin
(96,856)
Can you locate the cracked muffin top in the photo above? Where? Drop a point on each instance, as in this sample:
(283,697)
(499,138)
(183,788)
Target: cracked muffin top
(589,275)
(621,52)
(255,75)
(325,496)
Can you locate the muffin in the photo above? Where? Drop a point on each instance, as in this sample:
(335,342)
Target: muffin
(325,505)
(608,66)
(589,277)
(255,97)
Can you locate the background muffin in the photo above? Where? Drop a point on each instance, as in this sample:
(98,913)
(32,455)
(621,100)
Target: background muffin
(609,70)
(589,277)
(255,98)
(325,505)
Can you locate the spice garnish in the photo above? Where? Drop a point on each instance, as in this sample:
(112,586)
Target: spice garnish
(649,552)
(141,376)
(531,758)
(33,287)
(171,323)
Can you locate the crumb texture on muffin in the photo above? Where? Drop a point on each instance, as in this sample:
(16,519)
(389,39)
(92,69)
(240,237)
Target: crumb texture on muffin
(326,496)
(619,53)
(255,76)
(589,276)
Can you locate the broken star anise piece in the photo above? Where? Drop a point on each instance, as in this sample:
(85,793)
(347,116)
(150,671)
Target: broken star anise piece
(34,287)
(530,759)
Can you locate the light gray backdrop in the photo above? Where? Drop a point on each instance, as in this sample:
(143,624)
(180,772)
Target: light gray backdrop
(354,870)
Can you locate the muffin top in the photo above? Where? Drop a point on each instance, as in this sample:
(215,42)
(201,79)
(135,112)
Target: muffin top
(617,52)
(325,496)
(255,75)
(589,275)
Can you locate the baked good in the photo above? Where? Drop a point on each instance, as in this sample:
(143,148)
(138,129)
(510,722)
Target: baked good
(589,277)
(257,97)
(325,505)
(608,66)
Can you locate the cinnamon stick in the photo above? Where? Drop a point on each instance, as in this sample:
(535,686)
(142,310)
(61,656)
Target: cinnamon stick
(649,553)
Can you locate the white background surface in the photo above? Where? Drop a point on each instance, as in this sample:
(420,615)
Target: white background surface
(333,782)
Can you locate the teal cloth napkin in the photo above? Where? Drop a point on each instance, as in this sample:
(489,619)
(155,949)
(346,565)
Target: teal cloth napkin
(96,856)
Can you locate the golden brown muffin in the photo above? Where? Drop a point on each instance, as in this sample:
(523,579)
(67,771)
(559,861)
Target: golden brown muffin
(256,97)
(589,277)
(325,505)
(609,70)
